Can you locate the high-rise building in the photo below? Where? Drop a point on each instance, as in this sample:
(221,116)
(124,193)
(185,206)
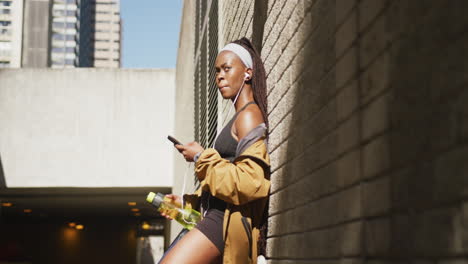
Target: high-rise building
(36,34)
(107,36)
(64,37)
(86,16)
(11,23)
(60,33)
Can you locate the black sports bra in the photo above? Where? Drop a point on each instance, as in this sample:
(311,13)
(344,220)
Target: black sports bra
(226,144)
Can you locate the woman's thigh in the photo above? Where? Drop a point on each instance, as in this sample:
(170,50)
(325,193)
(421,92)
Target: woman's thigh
(195,248)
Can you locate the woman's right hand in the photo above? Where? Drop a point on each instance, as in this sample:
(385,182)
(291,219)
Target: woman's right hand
(189,150)
(175,199)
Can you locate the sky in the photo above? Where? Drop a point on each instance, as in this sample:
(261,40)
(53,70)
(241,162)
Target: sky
(150,33)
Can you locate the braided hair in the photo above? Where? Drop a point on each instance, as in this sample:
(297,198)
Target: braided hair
(258,80)
(259,89)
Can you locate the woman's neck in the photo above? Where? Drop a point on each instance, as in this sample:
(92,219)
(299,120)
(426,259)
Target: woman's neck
(245,97)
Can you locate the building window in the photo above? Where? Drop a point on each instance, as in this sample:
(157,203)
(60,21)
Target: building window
(5,11)
(66,1)
(4,64)
(5,31)
(58,12)
(62,49)
(58,50)
(5,23)
(58,37)
(63,25)
(63,37)
(62,13)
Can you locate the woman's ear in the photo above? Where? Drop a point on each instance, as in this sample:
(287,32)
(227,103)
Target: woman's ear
(248,74)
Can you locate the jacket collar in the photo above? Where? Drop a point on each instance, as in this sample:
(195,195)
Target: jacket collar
(254,145)
(253,136)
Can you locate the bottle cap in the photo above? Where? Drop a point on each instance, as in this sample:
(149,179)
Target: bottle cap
(155,198)
(150,197)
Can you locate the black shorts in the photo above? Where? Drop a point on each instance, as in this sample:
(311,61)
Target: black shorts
(212,227)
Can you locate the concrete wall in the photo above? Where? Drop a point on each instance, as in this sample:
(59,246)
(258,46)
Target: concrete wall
(368,128)
(86,127)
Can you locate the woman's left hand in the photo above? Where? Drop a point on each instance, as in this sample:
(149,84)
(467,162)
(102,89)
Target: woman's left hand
(189,150)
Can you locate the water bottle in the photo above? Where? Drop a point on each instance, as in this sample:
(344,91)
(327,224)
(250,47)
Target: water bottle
(187,217)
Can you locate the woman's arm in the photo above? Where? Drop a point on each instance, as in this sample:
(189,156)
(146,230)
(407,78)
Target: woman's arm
(240,182)
(247,120)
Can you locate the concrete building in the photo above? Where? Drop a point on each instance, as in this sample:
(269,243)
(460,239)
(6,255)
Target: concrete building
(11,24)
(36,34)
(84,147)
(107,35)
(184,125)
(87,11)
(61,33)
(368,128)
(65,36)
(86,34)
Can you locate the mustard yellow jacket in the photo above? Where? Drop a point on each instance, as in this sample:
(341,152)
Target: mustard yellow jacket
(244,184)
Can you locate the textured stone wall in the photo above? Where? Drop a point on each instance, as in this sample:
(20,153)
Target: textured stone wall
(368,127)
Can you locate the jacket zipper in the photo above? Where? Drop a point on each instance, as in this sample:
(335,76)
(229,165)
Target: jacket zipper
(248,230)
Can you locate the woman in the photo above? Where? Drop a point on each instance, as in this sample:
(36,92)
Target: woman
(234,175)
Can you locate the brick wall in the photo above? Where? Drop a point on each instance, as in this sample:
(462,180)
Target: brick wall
(368,127)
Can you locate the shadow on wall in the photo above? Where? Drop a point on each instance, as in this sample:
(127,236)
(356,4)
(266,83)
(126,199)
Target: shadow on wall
(375,157)
(428,113)
(259,19)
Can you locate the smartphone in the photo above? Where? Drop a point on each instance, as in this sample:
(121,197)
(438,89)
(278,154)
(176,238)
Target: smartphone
(173,140)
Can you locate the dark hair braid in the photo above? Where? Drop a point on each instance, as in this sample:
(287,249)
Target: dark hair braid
(258,79)
(260,96)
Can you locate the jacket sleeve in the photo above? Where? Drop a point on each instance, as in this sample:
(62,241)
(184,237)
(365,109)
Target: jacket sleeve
(239,182)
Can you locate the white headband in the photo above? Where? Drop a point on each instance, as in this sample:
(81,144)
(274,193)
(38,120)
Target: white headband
(241,52)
